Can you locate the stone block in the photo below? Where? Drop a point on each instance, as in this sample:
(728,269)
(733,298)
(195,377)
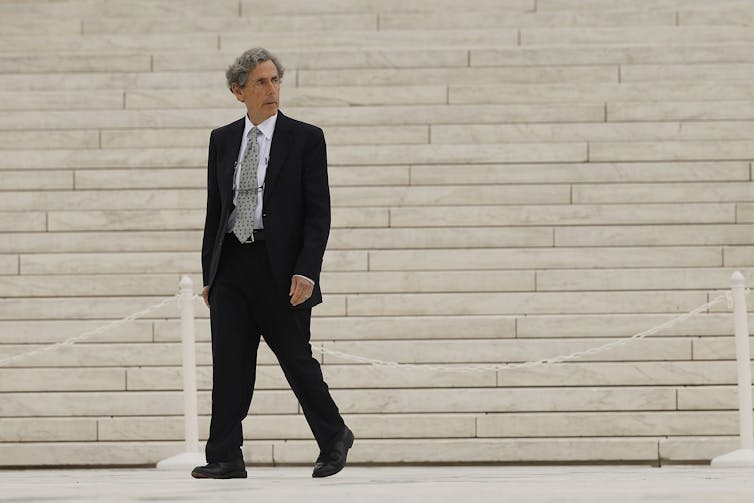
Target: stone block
(474,237)
(631,373)
(9,264)
(619,325)
(583,214)
(366,175)
(588,5)
(450,195)
(36,180)
(297,97)
(472,154)
(108,42)
(131,403)
(227,24)
(609,54)
(717,348)
(671,150)
(738,256)
(124,220)
(724,15)
(104,200)
(493,352)
(48,430)
(607,424)
(73,62)
(534,258)
(46,332)
(308,58)
(665,192)
(33,140)
(708,397)
(656,235)
(700,71)
(457,76)
(23,24)
(634,279)
(580,173)
(82,285)
(680,111)
(442,20)
(591,132)
(482,450)
(696,449)
(745,212)
(56,379)
(378,328)
(76,242)
(149,178)
(350,6)
(62,100)
(23,221)
(520,303)
(428,281)
(675,35)
(111,158)
(232,42)
(505,400)
(360,217)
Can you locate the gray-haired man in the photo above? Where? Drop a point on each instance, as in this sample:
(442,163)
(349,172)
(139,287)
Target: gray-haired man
(266,228)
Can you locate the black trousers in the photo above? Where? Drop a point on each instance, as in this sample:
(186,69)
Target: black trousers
(245,304)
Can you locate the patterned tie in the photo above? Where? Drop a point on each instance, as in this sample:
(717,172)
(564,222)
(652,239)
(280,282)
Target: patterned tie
(247,189)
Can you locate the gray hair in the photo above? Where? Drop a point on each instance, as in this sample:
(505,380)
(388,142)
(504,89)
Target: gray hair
(238,72)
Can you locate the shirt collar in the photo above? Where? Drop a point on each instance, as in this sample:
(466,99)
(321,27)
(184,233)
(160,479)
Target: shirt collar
(267,127)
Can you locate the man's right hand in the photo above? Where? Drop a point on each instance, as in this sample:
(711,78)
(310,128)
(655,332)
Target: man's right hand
(205,295)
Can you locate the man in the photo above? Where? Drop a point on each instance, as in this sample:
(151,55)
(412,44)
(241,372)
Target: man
(267,223)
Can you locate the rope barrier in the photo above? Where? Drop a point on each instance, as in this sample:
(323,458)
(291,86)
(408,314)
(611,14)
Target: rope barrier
(91,333)
(545,361)
(377,362)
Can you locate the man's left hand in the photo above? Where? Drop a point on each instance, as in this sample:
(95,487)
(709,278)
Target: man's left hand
(301,290)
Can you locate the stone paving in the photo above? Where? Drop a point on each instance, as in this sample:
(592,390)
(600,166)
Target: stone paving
(556,484)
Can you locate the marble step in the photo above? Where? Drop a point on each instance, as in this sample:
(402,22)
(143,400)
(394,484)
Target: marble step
(396,304)
(134,8)
(680,111)
(589,132)
(435,175)
(588,5)
(455,353)
(474,19)
(671,150)
(258,22)
(582,214)
(691,52)
(634,35)
(686,72)
(369,401)
(131,403)
(322,116)
(543,258)
(299,452)
(117,308)
(350,155)
(663,192)
(655,235)
(332,6)
(153,262)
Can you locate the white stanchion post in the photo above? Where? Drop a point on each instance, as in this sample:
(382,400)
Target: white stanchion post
(743,457)
(192,457)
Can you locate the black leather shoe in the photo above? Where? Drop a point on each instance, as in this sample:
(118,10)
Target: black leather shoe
(330,463)
(221,470)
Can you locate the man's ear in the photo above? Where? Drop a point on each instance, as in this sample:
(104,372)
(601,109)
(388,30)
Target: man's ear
(237,91)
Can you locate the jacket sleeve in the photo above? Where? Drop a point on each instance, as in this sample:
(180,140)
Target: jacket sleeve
(212,217)
(316,207)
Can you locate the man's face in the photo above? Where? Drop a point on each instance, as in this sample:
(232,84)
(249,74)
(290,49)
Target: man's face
(261,92)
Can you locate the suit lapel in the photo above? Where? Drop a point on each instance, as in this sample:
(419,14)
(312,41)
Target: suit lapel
(281,143)
(228,164)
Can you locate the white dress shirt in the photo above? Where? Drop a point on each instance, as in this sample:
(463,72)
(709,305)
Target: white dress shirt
(267,127)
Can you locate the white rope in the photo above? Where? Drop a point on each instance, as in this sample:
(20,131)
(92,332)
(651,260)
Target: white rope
(91,333)
(545,361)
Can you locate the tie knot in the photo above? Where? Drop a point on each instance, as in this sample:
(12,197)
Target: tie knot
(254,133)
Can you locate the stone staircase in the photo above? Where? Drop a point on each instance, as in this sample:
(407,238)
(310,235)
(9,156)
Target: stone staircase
(517,180)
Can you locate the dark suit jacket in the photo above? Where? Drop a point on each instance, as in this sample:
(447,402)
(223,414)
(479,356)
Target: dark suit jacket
(296,202)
